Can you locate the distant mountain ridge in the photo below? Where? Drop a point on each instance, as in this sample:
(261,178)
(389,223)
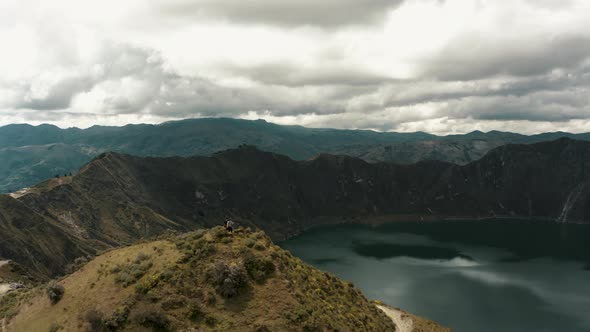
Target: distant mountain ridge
(117,199)
(32,154)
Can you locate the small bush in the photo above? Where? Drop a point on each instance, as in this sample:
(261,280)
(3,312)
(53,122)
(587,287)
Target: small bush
(250,243)
(258,269)
(259,246)
(261,328)
(80,261)
(141,257)
(118,319)
(95,320)
(174,302)
(130,273)
(195,312)
(167,274)
(230,280)
(54,327)
(219,233)
(210,321)
(210,298)
(147,284)
(153,319)
(55,292)
(202,249)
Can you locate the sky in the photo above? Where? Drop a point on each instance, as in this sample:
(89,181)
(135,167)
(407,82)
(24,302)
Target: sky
(439,66)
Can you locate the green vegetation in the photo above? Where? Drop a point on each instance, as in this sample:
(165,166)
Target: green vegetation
(55,292)
(229,280)
(33,154)
(205,280)
(127,274)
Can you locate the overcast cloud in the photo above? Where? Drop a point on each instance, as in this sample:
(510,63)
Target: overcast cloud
(424,65)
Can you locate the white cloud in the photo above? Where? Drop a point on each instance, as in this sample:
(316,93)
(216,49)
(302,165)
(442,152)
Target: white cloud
(430,65)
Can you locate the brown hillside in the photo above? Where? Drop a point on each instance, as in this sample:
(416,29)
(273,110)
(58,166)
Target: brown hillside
(200,281)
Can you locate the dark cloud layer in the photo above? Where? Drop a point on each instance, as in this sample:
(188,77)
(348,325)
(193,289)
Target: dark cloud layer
(326,13)
(474,57)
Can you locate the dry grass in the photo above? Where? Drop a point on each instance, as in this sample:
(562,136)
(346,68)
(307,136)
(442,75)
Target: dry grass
(91,287)
(279,292)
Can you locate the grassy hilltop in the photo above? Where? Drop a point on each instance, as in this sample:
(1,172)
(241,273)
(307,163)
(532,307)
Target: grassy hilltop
(206,280)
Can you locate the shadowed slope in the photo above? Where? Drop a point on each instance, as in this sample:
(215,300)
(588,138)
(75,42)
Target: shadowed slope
(117,198)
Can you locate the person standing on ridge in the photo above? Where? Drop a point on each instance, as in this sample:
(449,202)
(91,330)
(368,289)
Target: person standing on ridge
(229,225)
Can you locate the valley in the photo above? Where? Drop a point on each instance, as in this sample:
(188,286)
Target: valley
(117,199)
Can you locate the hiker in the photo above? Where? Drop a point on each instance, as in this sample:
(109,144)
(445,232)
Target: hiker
(229,225)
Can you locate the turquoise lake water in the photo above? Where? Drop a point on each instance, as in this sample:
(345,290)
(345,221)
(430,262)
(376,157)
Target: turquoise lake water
(467,275)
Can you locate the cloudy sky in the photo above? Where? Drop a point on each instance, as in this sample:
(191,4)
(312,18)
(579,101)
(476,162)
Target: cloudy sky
(433,65)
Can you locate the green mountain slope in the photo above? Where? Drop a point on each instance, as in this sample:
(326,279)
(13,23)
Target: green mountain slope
(30,154)
(116,199)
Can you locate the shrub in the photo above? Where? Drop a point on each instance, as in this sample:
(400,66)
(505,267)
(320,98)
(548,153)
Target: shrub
(195,312)
(210,298)
(210,321)
(80,261)
(147,284)
(152,318)
(95,321)
(54,327)
(259,246)
(219,232)
(118,319)
(55,292)
(130,273)
(203,249)
(261,328)
(141,257)
(230,280)
(167,274)
(174,302)
(158,250)
(258,269)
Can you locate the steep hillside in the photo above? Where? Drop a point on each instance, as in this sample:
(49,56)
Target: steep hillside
(26,165)
(32,154)
(206,281)
(117,198)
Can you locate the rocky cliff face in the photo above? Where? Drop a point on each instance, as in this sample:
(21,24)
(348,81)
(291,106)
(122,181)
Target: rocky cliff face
(118,198)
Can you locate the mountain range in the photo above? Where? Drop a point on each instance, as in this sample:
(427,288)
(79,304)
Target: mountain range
(31,154)
(117,199)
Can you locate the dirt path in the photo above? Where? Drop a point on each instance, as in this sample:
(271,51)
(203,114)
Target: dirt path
(403,322)
(4,288)
(19,193)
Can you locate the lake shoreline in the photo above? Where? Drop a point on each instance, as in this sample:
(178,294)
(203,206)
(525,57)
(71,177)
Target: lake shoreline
(397,265)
